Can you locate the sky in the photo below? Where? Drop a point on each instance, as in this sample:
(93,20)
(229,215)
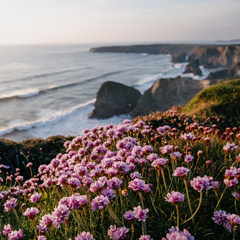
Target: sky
(112,21)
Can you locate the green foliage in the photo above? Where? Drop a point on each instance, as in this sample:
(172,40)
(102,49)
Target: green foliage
(222,99)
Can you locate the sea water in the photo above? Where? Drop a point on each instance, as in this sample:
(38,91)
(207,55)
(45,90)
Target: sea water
(51,89)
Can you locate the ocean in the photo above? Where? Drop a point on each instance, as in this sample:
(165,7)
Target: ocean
(47,90)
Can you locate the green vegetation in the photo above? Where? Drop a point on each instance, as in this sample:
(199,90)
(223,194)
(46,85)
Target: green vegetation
(221,99)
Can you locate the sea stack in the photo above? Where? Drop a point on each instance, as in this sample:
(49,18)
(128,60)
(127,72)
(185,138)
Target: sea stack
(193,67)
(114,99)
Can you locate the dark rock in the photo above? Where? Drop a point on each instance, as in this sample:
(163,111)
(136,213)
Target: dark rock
(113,99)
(179,57)
(233,71)
(210,56)
(166,93)
(218,74)
(193,67)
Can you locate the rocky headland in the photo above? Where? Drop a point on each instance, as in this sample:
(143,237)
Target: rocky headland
(209,56)
(114,99)
(193,67)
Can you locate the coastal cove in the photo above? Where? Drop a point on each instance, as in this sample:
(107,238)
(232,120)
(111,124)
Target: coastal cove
(50,90)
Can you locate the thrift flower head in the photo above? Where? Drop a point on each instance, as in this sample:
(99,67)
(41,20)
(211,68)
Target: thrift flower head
(188,158)
(41,237)
(9,204)
(234,220)
(31,212)
(230,147)
(117,233)
(174,197)
(141,214)
(159,163)
(99,202)
(7,229)
(130,216)
(136,185)
(84,236)
(14,235)
(175,234)
(200,183)
(35,197)
(181,172)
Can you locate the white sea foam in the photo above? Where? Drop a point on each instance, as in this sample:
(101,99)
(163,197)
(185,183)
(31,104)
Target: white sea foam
(46,117)
(23,93)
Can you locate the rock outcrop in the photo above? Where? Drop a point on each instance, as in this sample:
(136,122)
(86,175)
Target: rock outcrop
(210,56)
(193,67)
(169,92)
(216,56)
(233,71)
(179,57)
(113,99)
(218,74)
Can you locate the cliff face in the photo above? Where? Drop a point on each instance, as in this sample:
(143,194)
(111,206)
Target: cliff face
(169,92)
(150,49)
(210,56)
(113,99)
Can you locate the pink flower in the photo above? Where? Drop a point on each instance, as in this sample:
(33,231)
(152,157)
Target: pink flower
(181,172)
(84,236)
(230,147)
(31,212)
(187,136)
(130,216)
(46,221)
(141,214)
(234,220)
(14,235)
(174,197)
(60,215)
(41,237)
(9,204)
(7,229)
(188,158)
(29,164)
(35,197)
(166,149)
(136,185)
(135,175)
(99,202)
(200,183)
(159,163)
(114,183)
(175,234)
(117,233)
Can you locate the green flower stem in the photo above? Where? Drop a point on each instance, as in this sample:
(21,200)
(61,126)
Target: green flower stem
(164,181)
(199,204)
(189,203)
(235,204)
(102,225)
(221,196)
(177,215)
(132,232)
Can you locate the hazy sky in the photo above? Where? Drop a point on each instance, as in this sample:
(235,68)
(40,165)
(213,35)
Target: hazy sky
(99,21)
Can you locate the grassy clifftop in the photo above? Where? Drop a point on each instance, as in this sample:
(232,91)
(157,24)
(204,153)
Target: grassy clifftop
(220,99)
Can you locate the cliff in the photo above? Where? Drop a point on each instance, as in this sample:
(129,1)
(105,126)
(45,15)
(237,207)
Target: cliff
(209,56)
(169,92)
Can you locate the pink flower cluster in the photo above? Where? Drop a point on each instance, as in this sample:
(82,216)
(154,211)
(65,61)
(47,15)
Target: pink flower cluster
(201,183)
(117,233)
(84,236)
(174,197)
(175,234)
(228,220)
(12,235)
